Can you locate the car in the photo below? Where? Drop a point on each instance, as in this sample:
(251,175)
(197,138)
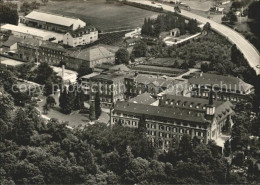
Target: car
(258,66)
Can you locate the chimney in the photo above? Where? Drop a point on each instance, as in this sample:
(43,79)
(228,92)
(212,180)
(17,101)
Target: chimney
(63,71)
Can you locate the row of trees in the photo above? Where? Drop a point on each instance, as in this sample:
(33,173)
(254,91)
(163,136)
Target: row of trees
(166,22)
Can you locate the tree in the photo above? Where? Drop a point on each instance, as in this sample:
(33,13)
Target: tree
(227,148)
(98,109)
(50,101)
(83,70)
(142,125)
(92,114)
(122,56)
(69,100)
(8,14)
(79,99)
(46,108)
(140,49)
(207,27)
(44,1)
(62,98)
(185,148)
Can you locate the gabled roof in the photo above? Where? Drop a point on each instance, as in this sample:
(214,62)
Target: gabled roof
(91,54)
(11,41)
(51,18)
(144,98)
(231,82)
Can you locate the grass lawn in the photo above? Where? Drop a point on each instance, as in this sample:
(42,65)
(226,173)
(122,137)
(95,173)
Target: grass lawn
(106,17)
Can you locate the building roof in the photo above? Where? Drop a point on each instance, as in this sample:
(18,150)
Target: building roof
(197,104)
(53,46)
(27,30)
(10,62)
(91,54)
(221,81)
(157,69)
(160,113)
(82,31)
(11,41)
(51,18)
(109,76)
(144,98)
(89,75)
(120,67)
(29,42)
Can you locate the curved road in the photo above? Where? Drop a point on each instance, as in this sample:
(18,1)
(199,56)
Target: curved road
(249,51)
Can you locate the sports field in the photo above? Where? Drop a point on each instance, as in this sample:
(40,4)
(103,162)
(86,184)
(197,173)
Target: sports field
(106,17)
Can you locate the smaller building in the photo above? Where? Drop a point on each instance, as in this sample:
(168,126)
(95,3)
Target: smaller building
(85,82)
(67,76)
(28,49)
(9,63)
(224,87)
(27,32)
(81,36)
(134,34)
(131,41)
(10,44)
(175,32)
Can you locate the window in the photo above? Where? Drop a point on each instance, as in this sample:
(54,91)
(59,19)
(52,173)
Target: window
(160,134)
(181,130)
(167,128)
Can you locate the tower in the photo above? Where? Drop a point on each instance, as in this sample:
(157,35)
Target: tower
(210,108)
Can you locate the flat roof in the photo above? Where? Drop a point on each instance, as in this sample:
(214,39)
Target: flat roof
(52,18)
(11,62)
(26,30)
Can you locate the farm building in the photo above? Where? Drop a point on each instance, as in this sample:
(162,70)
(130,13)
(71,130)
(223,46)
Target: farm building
(10,44)
(27,32)
(52,22)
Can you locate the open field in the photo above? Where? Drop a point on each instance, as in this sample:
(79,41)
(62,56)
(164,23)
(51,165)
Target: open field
(106,17)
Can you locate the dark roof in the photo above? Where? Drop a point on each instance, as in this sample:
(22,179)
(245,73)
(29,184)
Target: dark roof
(144,98)
(82,31)
(30,42)
(109,76)
(195,102)
(231,82)
(159,112)
(53,46)
(157,69)
(11,41)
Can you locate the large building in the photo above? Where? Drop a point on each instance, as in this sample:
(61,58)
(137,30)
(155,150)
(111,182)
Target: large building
(225,88)
(52,53)
(81,36)
(110,86)
(52,22)
(94,55)
(175,116)
(27,32)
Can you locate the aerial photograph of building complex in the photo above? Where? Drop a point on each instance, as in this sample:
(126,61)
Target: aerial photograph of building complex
(129,92)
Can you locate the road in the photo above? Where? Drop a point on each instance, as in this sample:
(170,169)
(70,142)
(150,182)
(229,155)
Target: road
(249,51)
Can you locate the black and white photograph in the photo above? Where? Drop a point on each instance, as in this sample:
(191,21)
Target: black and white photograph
(129,92)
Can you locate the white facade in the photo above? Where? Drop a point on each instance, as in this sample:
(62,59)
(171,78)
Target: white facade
(27,32)
(134,34)
(84,39)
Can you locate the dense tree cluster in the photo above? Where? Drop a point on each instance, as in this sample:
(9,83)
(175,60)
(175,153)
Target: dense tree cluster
(166,22)
(122,56)
(28,6)
(8,13)
(35,151)
(229,17)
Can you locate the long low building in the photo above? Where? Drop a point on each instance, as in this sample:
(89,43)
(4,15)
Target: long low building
(52,22)
(27,32)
